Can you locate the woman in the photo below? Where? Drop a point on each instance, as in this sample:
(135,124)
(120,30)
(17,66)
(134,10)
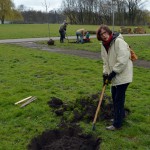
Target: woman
(117,70)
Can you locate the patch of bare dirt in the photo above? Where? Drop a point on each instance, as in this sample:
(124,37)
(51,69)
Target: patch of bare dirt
(69,136)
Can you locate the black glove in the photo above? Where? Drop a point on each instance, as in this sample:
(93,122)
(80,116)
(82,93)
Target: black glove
(111,76)
(105,77)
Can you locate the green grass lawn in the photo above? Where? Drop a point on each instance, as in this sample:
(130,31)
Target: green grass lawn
(26,72)
(15,31)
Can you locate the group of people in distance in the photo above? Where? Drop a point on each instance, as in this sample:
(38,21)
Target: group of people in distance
(117,67)
(82,35)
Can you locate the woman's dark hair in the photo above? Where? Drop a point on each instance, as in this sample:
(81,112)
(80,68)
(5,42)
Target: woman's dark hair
(98,32)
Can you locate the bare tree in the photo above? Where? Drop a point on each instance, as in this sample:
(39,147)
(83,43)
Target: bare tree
(46,8)
(126,12)
(133,9)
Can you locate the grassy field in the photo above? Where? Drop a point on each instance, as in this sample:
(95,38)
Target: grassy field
(12,31)
(26,72)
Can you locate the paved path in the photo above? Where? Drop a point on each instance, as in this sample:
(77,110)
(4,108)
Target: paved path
(55,38)
(33,39)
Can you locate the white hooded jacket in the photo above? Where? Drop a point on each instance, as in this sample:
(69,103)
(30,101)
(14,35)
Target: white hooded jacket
(118,60)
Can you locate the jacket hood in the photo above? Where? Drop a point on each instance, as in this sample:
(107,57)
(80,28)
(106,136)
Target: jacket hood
(116,35)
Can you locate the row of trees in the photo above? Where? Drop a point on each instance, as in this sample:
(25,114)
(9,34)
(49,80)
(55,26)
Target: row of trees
(32,16)
(125,12)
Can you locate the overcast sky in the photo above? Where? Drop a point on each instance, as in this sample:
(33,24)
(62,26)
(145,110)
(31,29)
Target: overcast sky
(38,4)
(52,4)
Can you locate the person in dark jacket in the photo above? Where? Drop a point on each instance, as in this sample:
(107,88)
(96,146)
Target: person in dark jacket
(117,70)
(62,31)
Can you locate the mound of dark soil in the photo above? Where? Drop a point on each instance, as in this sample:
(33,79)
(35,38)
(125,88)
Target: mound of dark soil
(83,109)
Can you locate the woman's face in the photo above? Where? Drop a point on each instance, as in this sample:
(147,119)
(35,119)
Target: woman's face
(104,35)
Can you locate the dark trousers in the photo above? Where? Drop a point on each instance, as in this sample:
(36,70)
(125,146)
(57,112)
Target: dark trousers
(118,96)
(62,36)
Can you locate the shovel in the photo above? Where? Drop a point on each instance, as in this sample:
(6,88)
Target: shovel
(67,37)
(98,107)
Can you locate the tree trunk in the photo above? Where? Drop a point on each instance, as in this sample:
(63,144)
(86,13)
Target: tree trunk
(2,19)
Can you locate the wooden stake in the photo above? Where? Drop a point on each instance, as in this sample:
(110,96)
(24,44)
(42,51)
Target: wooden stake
(28,102)
(23,100)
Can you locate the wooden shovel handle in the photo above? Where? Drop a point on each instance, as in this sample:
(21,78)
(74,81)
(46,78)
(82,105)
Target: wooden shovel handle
(99,104)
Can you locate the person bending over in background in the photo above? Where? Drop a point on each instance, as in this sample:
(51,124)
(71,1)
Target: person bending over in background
(80,33)
(117,70)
